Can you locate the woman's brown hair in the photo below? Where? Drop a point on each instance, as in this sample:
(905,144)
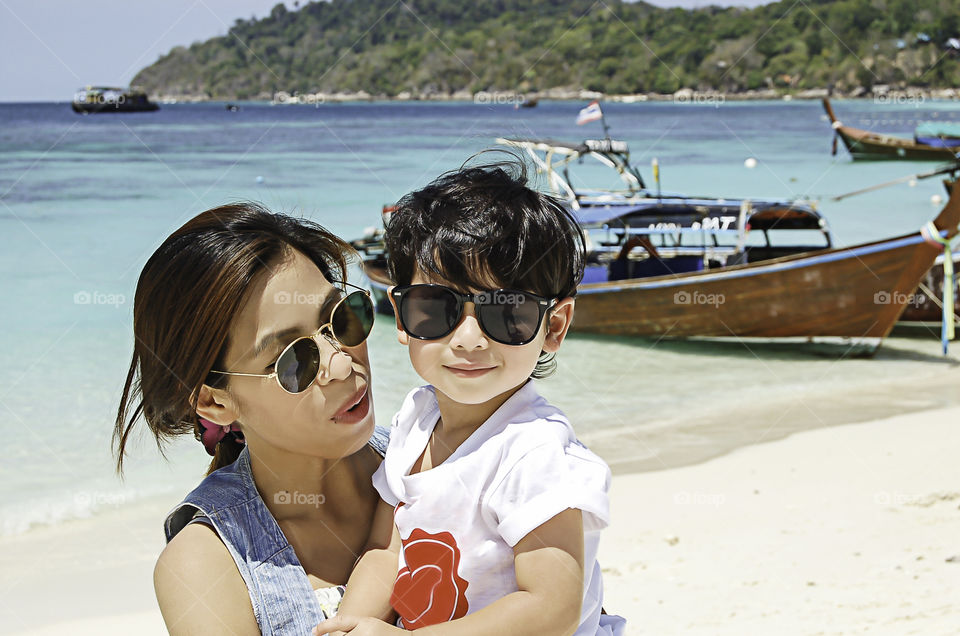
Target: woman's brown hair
(187,296)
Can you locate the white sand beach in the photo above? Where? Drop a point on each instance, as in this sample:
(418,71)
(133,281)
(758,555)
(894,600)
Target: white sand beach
(89,576)
(842,530)
(845,530)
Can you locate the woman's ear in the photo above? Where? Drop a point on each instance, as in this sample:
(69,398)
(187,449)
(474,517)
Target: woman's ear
(402,336)
(217,406)
(558,323)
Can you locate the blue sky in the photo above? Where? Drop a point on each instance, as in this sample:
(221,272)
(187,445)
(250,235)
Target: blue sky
(49,48)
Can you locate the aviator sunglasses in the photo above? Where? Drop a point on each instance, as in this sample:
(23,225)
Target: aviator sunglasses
(351,320)
(507,316)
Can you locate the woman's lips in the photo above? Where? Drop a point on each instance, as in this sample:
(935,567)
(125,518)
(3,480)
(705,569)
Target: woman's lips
(355,409)
(468,371)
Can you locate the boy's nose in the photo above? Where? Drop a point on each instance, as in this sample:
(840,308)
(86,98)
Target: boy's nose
(468,334)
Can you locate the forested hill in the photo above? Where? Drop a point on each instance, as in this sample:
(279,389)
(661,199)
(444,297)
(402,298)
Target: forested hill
(439,47)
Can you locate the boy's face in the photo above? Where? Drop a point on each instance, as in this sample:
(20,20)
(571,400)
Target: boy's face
(469,367)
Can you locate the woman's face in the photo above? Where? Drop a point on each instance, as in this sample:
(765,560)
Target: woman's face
(293,299)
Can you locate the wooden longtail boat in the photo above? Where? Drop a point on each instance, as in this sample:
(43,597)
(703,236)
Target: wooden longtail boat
(864,144)
(854,294)
(709,268)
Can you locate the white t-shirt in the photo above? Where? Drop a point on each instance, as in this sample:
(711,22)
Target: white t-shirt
(460,520)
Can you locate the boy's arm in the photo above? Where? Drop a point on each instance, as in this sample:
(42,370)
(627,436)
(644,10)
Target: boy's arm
(371,582)
(549,569)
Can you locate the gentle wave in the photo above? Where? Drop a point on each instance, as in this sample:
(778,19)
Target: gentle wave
(69,506)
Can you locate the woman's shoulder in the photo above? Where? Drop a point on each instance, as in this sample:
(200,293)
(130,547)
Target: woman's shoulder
(221,490)
(196,565)
(195,548)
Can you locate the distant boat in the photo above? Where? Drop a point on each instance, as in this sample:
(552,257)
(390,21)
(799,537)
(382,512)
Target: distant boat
(674,266)
(106,99)
(932,142)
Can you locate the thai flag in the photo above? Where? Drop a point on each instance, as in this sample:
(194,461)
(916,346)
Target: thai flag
(589,114)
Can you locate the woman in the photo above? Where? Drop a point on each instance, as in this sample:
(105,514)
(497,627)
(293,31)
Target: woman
(245,338)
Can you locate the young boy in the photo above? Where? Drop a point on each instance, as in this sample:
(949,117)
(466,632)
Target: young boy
(492,510)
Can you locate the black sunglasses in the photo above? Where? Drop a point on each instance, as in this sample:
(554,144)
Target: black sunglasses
(507,316)
(299,363)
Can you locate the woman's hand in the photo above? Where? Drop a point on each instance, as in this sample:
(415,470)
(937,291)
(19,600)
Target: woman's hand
(356,627)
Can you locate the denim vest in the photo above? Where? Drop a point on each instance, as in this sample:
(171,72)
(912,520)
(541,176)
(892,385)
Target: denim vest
(283,600)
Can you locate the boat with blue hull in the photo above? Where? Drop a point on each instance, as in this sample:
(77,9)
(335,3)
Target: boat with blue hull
(673,266)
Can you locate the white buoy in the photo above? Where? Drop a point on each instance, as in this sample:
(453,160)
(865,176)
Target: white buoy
(750,162)
(912,183)
(259,179)
(936,199)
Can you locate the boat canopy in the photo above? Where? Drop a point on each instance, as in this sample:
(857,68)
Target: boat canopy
(688,214)
(554,157)
(567,148)
(639,211)
(935,129)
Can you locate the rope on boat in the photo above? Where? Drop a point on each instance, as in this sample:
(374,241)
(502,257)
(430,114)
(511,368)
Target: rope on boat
(931,235)
(936,301)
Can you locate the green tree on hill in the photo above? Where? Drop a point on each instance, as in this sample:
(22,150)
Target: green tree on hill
(386,47)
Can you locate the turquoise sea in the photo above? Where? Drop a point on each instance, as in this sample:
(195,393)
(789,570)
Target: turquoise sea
(84,200)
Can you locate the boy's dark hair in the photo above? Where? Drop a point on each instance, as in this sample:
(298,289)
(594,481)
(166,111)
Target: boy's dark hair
(481,227)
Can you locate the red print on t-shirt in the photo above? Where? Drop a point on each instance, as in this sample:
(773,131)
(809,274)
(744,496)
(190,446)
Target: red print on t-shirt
(428,589)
